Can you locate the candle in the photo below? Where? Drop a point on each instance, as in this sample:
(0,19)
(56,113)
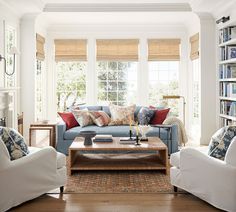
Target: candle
(137,129)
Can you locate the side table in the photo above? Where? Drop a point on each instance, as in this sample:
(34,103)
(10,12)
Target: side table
(168,137)
(44,125)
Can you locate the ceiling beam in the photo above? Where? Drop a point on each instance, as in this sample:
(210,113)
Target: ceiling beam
(138,7)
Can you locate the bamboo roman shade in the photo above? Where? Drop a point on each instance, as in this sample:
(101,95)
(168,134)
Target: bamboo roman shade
(163,49)
(117,49)
(194,41)
(40,41)
(70,50)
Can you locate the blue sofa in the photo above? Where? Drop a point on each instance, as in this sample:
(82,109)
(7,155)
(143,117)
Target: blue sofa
(66,137)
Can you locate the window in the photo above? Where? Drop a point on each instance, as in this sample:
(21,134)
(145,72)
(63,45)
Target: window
(10,81)
(39,76)
(71,83)
(117,82)
(195,64)
(164,80)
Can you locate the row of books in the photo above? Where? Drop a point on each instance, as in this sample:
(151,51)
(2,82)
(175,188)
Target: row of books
(227,34)
(228,108)
(226,122)
(228,89)
(227,52)
(103,138)
(227,71)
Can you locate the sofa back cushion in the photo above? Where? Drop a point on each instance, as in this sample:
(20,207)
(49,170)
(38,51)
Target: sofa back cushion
(230,157)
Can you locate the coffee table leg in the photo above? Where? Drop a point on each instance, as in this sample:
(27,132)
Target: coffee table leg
(164,158)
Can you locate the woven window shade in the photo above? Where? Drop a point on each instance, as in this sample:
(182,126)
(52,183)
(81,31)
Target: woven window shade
(40,41)
(70,50)
(194,41)
(163,49)
(117,49)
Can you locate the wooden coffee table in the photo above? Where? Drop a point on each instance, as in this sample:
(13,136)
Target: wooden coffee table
(151,155)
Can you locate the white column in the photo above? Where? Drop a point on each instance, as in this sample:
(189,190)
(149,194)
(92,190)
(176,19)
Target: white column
(2,40)
(28,58)
(91,77)
(207,77)
(142,87)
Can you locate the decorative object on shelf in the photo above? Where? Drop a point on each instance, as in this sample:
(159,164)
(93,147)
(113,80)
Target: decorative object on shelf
(13,51)
(88,135)
(144,129)
(177,97)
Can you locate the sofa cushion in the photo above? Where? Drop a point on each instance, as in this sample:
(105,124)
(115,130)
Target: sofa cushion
(69,119)
(94,108)
(145,115)
(175,159)
(83,117)
(14,142)
(220,142)
(74,132)
(100,118)
(159,115)
(122,115)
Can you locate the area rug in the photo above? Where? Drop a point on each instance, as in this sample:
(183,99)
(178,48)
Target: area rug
(118,182)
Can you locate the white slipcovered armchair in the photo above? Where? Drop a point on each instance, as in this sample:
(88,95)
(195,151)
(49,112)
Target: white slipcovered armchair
(208,178)
(42,170)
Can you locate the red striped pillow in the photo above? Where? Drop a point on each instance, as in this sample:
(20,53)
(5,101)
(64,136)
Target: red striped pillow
(100,118)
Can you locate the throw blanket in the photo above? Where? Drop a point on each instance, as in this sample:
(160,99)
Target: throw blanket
(182,136)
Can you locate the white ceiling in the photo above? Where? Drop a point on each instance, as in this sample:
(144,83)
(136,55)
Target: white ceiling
(22,7)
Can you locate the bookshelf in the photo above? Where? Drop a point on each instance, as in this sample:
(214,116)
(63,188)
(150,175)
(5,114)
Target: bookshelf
(227,75)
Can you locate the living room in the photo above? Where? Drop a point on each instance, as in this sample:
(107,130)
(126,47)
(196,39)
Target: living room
(136,95)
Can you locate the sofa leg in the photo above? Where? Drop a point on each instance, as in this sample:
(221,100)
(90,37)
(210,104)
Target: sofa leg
(175,189)
(61,189)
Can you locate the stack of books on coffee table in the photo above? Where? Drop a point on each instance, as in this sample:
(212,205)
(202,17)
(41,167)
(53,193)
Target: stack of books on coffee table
(103,138)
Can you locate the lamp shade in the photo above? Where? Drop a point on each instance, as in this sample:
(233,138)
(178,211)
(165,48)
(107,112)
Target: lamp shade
(14,50)
(172,97)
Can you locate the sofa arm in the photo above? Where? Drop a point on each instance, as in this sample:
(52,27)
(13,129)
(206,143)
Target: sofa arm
(174,138)
(61,128)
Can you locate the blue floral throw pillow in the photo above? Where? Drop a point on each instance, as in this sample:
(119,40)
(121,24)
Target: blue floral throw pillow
(14,142)
(220,142)
(145,115)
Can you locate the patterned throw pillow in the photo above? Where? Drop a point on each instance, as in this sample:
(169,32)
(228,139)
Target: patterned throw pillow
(100,118)
(83,117)
(121,115)
(145,115)
(220,142)
(14,142)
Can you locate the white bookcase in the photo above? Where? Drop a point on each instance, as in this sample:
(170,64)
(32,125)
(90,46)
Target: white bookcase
(227,75)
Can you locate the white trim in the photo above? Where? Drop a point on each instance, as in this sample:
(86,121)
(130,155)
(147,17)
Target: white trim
(117,7)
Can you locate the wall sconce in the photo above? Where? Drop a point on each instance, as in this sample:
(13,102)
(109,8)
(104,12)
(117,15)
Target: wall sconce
(177,97)
(13,51)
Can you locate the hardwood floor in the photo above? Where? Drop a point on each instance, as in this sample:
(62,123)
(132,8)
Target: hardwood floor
(116,203)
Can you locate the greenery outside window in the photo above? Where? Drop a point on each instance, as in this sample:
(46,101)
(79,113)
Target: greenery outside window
(164,80)
(71,83)
(117,82)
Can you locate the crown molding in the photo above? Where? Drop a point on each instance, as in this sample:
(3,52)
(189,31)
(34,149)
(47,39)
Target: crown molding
(138,7)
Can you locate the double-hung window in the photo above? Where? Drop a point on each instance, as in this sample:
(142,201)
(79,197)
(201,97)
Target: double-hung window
(71,67)
(117,71)
(163,57)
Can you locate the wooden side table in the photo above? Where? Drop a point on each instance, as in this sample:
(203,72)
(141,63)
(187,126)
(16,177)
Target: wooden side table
(50,126)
